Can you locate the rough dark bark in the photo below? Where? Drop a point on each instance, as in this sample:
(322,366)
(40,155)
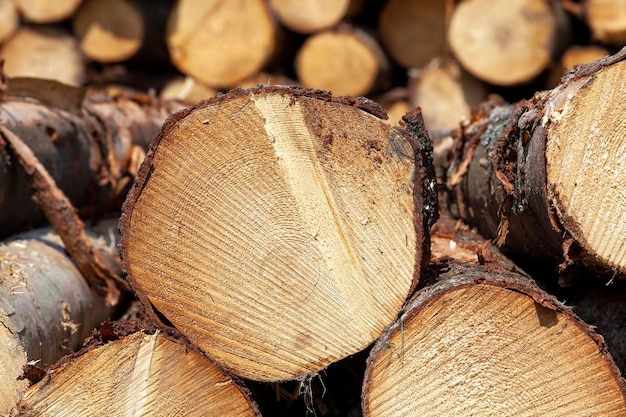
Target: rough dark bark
(530,175)
(91,150)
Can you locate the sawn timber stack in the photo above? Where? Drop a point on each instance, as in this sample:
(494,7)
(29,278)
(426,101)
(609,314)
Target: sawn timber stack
(280,229)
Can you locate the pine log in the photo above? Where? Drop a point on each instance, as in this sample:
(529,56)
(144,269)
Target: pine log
(607,20)
(43,52)
(92,148)
(506,42)
(545,177)
(220,42)
(137,374)
(343,60)
(46,307)
(414,32)
(46,11)
(109,30)
(309,16)
(446,94)
(484,340)
(9,19)
(283,252)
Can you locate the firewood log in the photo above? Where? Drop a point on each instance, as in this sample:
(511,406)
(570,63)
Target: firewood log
(46,307)
(309,16)
(44,52)
(413,32)
(91,148)
(343,61)
(220,42)
(109,30)
(506,42)
(43,11)
(545,177)
(9,19)
(278,228)
(137,374)
(484,340)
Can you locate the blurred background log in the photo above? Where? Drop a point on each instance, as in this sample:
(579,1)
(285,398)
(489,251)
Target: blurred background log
(309,16)
(507,42)
(109,30)
(220,42)
(43,11)
(345,61)
(44,52)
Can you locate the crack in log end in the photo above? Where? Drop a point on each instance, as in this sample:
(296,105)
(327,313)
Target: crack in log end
(138,388)
(297,158)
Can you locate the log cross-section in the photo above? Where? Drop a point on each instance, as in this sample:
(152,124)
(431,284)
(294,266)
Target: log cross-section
(275,227)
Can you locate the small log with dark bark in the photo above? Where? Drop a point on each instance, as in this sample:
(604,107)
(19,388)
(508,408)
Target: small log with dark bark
(124,371)
(484,340)
(91,147)
(280,229)
(546,177)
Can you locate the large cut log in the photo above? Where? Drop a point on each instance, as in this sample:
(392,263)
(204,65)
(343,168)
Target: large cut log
(46,307)
(91,147)
(220,42)
(506,42)
(278,228)
(136,374)
(545,177)
(484,340)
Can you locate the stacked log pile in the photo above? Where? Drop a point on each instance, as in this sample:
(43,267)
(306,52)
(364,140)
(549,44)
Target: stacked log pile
(290,248)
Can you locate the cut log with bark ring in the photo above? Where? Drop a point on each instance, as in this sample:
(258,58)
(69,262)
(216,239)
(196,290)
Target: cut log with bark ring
(546,177)
(484,340)
(275,227)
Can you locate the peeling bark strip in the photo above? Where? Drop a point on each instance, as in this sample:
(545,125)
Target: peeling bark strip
(46,307)
(138,375)
(62,216)
(275,227)
(546,177)
(90,150)
(484,340)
